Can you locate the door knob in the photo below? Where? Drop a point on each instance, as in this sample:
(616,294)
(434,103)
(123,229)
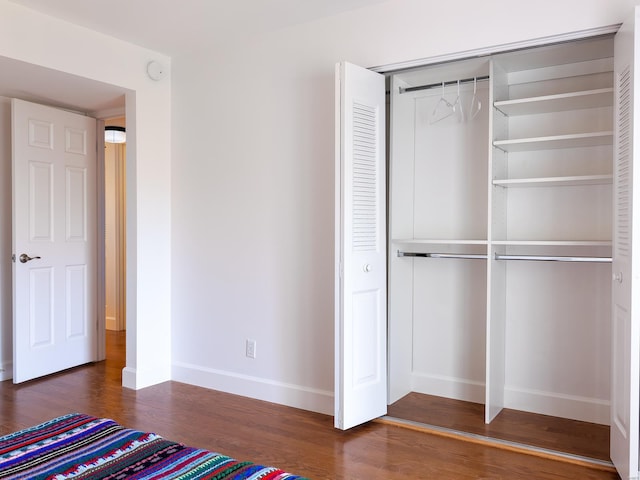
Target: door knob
(366,268)
(24,258)
(617,277)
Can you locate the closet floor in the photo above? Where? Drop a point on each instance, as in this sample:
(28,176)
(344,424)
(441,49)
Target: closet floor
(561,434)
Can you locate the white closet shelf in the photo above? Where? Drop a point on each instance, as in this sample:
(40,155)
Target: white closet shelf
(575,140)
(422,241)
(554,243)
(602,97)
(556,181)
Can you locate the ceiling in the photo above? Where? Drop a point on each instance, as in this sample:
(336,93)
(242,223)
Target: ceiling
(173,27)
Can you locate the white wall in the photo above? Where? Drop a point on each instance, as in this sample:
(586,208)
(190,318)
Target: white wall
(41,40)
(252,182)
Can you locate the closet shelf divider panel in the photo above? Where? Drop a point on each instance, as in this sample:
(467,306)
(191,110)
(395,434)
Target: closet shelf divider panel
(575,140)
(554,243)
(601,97)
(422,241)
(572,181)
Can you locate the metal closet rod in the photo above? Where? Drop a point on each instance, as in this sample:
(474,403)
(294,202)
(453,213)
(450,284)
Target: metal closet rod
(551,258)
(442,255)
(446,84)
(535,258)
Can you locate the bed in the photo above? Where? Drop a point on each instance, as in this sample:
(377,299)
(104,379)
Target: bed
(78,446)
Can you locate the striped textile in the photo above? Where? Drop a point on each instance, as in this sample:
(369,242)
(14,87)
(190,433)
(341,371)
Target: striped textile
(78,446)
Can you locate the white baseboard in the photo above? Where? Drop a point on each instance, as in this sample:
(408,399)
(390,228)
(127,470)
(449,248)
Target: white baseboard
(6,371)
(546,403)
(253,387)
(136,379)
(449,387)
(129,377)
(111,323)
(550,403)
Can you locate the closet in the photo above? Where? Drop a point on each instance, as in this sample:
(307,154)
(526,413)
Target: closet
(500,221)
(510,279)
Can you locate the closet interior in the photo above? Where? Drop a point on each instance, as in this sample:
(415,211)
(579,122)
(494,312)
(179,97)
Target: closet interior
(500,231)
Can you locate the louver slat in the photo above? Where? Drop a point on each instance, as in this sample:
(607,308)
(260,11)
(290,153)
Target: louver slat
(365,179)
(623,172)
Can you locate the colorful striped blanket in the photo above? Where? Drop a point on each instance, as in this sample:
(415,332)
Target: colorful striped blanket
(80,447)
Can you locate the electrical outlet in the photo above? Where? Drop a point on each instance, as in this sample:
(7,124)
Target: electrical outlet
(251,348)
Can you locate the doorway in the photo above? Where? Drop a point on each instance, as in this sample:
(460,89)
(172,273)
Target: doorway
(99,100)
(115,242)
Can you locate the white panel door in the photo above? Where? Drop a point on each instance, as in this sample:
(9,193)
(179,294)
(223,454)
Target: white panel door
(361,312)
(626,287)
(54,240)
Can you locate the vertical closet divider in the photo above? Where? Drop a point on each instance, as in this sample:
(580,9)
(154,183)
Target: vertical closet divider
(496,272)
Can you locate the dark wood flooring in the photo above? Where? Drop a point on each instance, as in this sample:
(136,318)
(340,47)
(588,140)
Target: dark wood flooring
(298,441)
(561,434)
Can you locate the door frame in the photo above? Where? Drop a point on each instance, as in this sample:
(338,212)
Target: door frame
(495,49)
(101,334)
(121,234)
(119,228)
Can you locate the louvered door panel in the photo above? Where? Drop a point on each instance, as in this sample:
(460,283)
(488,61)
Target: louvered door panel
(365,179)
(625,333)
(361,381)
(623,168)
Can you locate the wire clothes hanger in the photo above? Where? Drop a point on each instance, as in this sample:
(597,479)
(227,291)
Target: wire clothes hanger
(475,105)
(443,109)
(457,105)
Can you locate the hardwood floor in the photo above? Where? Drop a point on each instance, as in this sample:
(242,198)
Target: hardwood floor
(561,434)
(298,441)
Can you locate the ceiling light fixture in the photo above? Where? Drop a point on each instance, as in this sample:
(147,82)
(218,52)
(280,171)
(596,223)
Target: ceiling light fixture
(113,134)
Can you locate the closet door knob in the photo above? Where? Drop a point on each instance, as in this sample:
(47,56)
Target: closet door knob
(366,268)
(617,277)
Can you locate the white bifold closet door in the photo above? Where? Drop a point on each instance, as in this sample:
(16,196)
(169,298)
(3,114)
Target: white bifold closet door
(625,390)
(361,250)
